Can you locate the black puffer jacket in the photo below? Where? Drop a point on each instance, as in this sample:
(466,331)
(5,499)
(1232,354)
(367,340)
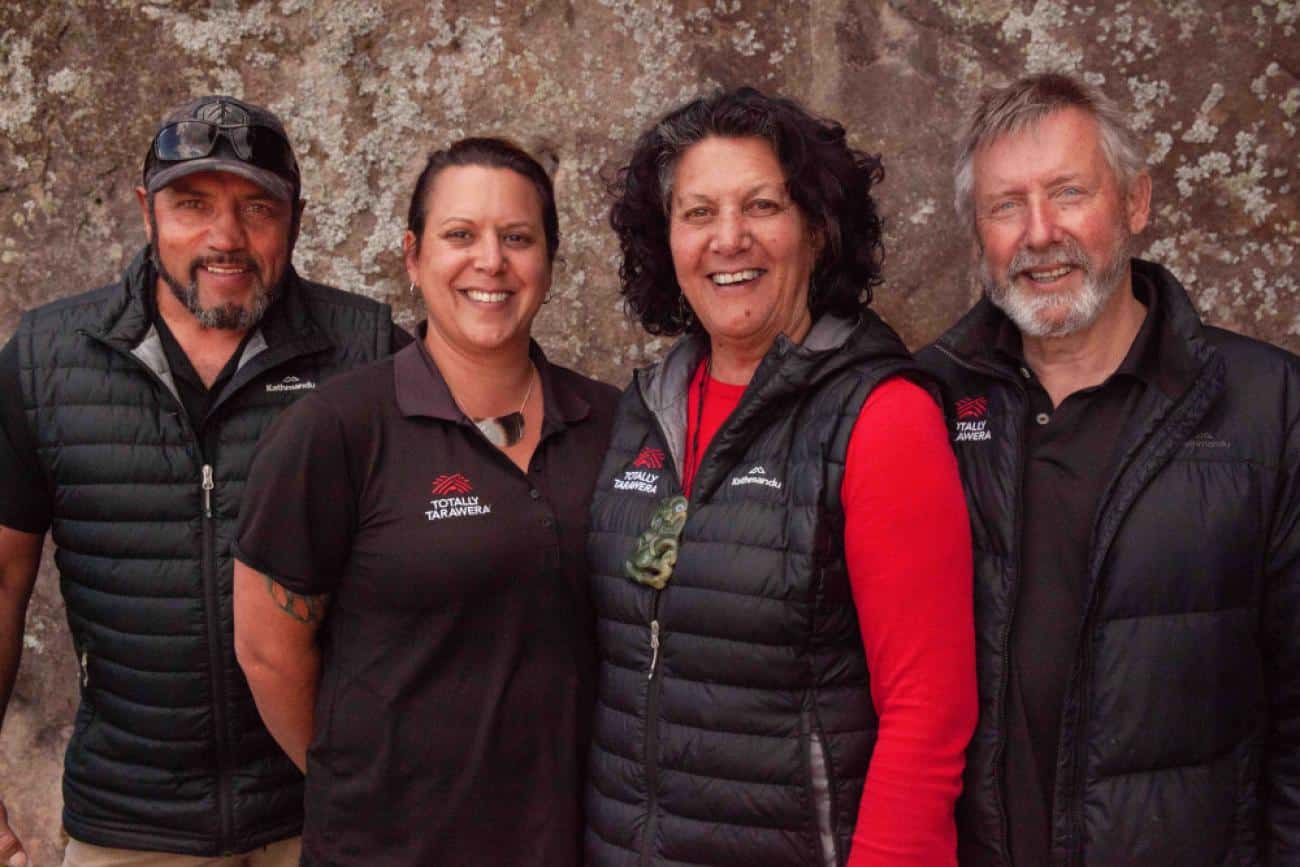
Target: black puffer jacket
(1180,734)
(734,723)
(168,752)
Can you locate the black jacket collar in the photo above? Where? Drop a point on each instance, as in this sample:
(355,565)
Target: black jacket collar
(1180,341)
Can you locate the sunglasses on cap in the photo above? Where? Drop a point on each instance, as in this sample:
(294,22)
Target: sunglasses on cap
(254,144)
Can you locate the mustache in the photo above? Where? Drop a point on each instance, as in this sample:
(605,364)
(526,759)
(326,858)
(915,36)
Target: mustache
(1067,252)
(228,260)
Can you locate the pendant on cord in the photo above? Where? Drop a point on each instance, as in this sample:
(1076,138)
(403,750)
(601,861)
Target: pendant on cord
(655,555)
(502,431)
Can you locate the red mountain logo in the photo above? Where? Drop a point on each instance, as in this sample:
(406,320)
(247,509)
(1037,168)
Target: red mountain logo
(649,459)
(972,407)
(454,483)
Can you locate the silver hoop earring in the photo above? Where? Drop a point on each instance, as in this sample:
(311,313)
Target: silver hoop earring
(415,293)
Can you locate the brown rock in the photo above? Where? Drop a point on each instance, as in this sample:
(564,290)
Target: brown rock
(368,88)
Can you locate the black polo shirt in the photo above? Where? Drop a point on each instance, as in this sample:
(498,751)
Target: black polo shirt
(1071,453)
(453,714)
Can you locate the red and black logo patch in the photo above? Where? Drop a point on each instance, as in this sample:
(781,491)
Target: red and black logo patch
(452,483)
(649,459)
(971,408)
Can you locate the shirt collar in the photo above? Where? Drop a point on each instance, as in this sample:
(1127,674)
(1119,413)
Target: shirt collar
(422,392)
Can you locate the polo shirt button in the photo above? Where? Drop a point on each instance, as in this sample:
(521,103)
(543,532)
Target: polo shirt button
(1042,418)
(1024,371)
(548,522)
(535,494)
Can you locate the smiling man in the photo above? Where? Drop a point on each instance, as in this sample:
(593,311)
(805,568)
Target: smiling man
(128,417)
(1134,484)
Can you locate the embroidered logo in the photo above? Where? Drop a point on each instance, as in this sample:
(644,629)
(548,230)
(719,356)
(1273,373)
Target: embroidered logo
(969,408)
(643,477)
(1206,440)
(451,484)
(756,475)
(972,423)
(291,383)
(452,498)
(649,459)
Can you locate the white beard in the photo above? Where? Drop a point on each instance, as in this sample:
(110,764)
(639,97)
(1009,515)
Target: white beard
(1057,314)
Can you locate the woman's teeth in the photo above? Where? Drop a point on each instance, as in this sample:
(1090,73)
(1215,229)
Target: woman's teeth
(736,277)
(486,297)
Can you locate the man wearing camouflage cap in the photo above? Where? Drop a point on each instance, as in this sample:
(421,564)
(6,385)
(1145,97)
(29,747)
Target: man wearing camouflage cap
(128,417)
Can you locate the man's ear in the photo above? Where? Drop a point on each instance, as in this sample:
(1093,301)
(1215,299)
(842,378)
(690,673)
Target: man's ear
(1137,204)
(142,196)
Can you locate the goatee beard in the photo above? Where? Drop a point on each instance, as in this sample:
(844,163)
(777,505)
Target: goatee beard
(226,317)
(1058,314)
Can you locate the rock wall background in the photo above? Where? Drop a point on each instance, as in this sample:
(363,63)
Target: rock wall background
(368,87)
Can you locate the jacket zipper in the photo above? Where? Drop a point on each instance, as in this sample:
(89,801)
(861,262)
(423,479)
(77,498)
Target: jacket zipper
(652,739)
(211,601)
(653,689)
(1004,644)
(212,607)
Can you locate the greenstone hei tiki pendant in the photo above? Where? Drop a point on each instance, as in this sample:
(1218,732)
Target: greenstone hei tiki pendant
(655,555)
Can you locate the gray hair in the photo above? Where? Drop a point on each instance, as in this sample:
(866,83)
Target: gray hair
(1020,105)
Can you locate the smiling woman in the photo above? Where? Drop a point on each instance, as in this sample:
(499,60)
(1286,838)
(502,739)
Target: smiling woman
(778,507)
(425,520)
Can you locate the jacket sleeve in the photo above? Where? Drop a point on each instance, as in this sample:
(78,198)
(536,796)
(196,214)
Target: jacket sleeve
(1281,625)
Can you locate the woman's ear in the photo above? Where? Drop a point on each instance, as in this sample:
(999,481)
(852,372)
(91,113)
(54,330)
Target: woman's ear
(410,255)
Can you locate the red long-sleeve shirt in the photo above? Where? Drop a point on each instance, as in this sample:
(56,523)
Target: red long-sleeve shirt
(907,541)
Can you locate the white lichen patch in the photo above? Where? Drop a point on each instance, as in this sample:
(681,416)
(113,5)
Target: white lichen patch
(1148,95)
(1291,104)
(1045,51)
(1188,14)
(1259,84)
(17,83)
(1163,142)
(924,211)
(1202,130)
(62,82)
(745,40)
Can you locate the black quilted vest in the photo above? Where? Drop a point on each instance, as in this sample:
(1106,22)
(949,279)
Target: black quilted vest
(168,752)
(734,723)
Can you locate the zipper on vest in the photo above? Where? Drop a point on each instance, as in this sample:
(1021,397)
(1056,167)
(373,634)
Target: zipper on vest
(652,739)
(207,486)
(654,648)
(212,608)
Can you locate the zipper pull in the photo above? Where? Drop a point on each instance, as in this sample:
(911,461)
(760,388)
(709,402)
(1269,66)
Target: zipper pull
(85,668)
(207,490)
(654,648)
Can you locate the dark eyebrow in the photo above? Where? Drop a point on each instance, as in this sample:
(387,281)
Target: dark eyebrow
(752,191)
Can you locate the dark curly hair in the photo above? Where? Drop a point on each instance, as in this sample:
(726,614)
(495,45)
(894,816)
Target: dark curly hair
(829,181)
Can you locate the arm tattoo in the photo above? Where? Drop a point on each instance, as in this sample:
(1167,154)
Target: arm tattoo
(304,609)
